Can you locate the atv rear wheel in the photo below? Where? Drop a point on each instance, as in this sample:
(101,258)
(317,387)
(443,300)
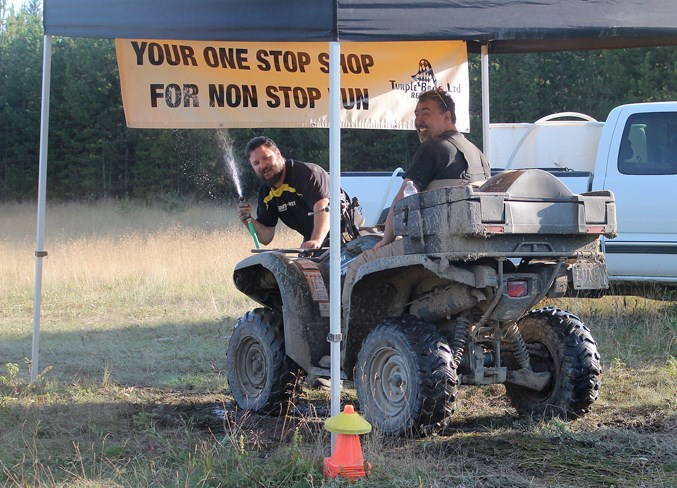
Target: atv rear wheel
(259,372)
(405,380)
(559,343)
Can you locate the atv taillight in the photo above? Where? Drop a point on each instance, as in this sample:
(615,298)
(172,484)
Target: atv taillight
(517,289)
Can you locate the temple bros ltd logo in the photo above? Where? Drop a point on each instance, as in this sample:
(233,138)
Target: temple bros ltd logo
(425,72)
(423,80)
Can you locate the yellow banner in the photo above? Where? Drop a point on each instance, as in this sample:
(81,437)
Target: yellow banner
(193,84)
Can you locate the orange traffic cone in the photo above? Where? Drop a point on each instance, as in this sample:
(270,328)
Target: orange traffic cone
(347,460)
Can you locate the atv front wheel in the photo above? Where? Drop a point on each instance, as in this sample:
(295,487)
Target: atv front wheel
(260,374)
(405,380)
(559,343)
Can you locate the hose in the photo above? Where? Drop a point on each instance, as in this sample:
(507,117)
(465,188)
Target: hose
(252,231)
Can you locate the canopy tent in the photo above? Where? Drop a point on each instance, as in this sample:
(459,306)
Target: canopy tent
(508,26)
(499,26)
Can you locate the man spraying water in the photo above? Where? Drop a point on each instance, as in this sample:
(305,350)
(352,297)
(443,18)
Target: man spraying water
(292,191)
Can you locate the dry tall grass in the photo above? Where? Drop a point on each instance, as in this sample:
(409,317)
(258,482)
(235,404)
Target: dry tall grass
(109,258)
(114,266)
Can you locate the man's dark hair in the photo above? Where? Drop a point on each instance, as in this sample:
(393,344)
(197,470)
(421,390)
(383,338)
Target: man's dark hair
(257,142)
(443,100)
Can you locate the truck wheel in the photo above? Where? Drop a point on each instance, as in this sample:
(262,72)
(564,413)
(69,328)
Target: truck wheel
(260,374)
(405,380)
(558,342)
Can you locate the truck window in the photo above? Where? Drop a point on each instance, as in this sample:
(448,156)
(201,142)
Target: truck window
(649,145)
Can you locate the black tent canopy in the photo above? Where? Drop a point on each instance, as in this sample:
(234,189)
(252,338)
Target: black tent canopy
(489,26)
(505,25)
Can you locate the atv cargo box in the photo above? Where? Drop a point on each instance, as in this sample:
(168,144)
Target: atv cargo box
(513,214)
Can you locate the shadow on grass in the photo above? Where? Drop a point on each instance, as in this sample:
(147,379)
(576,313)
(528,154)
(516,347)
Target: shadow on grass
(118,413)
(170,354)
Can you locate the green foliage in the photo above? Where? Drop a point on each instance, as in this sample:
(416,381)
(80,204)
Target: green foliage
(20,59)
(526,87)
(672,367)
(13,384)
(93,155)
(172,202)
(10,380)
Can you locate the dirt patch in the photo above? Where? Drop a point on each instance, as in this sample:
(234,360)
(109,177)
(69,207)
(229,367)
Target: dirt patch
(219,415)
(483,417)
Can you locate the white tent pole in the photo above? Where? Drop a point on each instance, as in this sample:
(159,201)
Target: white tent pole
(335,225)
(484,56)
(42,197)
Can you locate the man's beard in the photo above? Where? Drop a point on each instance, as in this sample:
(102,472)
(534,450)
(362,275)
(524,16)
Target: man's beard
(423,136)
(272,178)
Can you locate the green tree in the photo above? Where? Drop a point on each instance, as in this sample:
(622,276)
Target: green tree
(88,125)
(20,75)
(92,154)
(182,162)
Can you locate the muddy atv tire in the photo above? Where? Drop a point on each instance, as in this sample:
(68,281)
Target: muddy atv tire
(260,375)
(405,381)
(558,342)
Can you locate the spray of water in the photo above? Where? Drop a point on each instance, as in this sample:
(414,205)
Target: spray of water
(226,144)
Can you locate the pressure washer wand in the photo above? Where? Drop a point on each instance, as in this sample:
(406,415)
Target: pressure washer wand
(252,231)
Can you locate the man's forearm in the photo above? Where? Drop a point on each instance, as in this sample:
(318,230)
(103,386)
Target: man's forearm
(265,234)
(321,221)
(320,227)
(388,231)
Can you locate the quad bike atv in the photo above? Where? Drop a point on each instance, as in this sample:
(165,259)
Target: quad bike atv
(456,308)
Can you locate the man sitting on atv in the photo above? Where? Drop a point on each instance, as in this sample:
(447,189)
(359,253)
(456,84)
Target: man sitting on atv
(445,158)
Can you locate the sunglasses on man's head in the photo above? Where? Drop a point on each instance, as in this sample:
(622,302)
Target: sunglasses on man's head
(439,95)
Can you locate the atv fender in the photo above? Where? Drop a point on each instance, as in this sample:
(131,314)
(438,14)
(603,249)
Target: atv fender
(298,289)
(405,270)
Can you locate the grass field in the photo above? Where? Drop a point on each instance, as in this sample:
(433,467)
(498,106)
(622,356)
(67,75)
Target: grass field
(138,303)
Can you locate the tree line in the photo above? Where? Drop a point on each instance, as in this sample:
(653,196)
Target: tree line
(93,155)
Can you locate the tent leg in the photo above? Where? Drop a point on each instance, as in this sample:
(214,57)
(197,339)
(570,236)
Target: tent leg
(42,197)
(335,226)
(484,56)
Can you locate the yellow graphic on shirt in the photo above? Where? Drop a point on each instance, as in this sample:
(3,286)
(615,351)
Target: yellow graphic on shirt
(277,192)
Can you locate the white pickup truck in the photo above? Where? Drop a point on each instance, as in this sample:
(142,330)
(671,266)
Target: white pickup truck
(633,154)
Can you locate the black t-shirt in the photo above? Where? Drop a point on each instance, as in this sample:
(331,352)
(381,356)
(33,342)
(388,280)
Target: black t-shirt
(437,159)
(304,185)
